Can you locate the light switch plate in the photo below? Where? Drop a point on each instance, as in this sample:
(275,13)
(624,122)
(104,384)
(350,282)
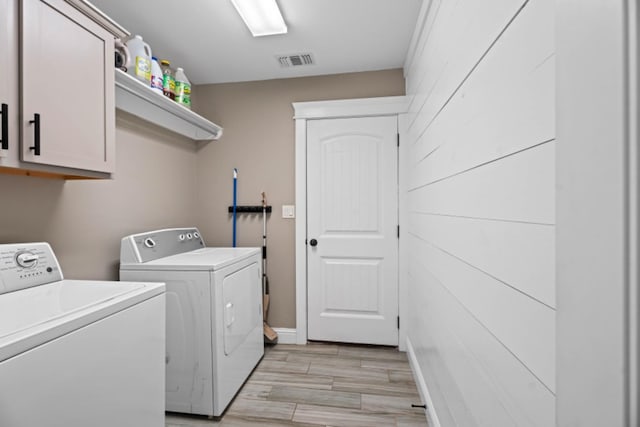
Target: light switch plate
(288,211)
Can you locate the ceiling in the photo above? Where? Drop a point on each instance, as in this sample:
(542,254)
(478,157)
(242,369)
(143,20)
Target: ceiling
(210,41)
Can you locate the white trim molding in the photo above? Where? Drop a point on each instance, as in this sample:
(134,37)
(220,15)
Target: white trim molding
(363,107)
(432,417)
(100,18)
(301,231)
(421,27)
(286,335)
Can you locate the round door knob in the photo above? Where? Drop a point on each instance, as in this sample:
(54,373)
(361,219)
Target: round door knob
(313,242)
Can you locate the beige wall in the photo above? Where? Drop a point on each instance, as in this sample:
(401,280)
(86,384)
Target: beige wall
(154,187)
(259,140)
(162,180)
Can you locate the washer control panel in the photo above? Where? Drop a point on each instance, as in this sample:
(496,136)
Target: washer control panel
(145,247)
(24,265)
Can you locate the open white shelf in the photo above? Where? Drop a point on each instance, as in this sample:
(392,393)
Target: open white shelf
(138,99)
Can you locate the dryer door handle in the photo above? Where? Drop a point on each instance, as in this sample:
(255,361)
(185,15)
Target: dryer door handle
(229,314)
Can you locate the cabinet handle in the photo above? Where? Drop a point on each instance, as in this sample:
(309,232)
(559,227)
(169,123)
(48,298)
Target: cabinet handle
(5,127)
(36,134)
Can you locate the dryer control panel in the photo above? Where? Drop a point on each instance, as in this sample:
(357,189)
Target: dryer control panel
(145,247)
(24,265)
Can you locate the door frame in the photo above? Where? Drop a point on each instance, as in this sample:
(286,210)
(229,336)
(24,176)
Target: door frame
(363,107)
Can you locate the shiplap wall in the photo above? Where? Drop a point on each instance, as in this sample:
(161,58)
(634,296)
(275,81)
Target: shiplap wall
(480,197)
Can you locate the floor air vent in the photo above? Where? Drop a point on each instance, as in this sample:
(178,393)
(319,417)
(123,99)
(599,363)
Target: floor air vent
(295,60)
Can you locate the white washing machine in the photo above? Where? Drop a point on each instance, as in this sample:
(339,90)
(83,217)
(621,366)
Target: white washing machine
(214,314)
(77,352)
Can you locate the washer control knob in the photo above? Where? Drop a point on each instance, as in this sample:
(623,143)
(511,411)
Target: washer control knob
(196,235)
(189,236)
(149,242)
(26,259)
(181,237)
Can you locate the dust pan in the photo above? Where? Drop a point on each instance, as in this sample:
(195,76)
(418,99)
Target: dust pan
(269,334)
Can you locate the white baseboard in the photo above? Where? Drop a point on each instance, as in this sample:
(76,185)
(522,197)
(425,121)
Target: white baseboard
(432,418)
(286,335)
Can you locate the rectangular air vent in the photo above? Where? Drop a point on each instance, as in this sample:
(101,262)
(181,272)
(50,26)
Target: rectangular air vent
(295,60)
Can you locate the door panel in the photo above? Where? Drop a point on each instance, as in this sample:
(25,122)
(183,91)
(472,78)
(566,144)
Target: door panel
(353,214)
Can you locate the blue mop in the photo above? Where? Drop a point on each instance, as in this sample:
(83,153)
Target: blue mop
(235,203)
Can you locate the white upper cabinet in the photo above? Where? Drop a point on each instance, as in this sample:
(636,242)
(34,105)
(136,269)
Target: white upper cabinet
(8,82)
(59,91)
(68,115)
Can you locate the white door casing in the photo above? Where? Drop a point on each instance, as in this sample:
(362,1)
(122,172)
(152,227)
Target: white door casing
(352,219)
(304,112)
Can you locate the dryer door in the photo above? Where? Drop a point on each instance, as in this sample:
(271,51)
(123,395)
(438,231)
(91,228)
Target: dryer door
(242,293)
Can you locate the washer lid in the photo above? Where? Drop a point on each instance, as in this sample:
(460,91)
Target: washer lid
(32,316)
(201,259)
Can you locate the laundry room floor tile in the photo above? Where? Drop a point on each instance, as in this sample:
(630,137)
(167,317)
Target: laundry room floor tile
(255,391)
(331,398)
(324,359)
(322,382)
(322,385)
(340,417)
(349,372)
(283,366)
(387,388)
(400,376)
(233,421)
(264,409)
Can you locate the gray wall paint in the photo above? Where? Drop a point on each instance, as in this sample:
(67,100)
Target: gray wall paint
(163,180)
(153,187)
(481,210)
(259,141)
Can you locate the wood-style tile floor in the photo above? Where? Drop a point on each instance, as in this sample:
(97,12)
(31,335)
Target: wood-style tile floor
(331,385)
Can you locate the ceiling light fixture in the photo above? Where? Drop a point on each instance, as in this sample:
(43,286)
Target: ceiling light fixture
(263,17)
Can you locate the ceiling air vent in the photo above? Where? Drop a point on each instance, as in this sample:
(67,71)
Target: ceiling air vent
(295,60)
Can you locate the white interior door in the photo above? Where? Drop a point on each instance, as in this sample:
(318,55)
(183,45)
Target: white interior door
(352,220)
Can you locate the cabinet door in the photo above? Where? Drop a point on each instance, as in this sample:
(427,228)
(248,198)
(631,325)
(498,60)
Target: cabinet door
(67,85)
(9,83)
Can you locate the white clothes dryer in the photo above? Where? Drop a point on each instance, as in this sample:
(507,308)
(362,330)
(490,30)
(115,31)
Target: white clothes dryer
(214,314)
(77,352)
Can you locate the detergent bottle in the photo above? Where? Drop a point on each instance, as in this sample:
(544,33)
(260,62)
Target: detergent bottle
(141,59)
(183,89)
(156,75)
(168,80)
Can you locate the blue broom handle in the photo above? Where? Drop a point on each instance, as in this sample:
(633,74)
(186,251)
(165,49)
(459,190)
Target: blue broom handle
(235,192)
